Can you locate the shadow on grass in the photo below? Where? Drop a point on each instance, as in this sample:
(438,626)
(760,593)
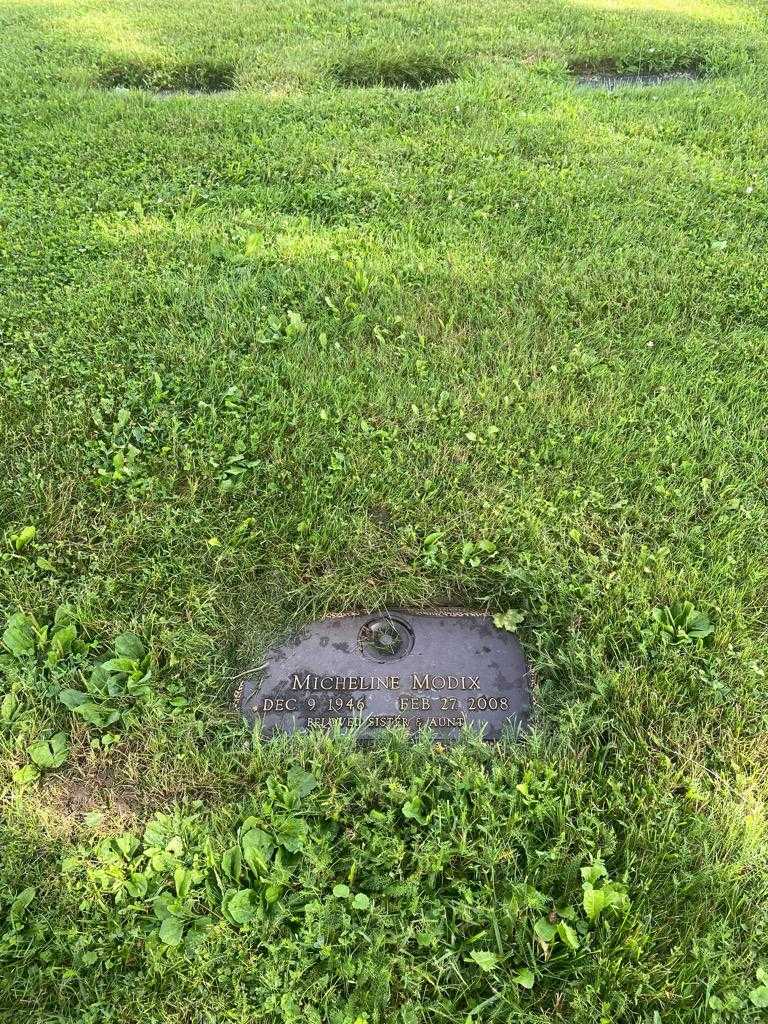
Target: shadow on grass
(416,70)
(197,76)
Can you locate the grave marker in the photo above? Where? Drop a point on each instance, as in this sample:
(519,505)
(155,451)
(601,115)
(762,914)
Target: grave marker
(441,670)
(618,80)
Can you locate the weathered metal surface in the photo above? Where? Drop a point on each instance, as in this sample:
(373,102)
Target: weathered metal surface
(441,671)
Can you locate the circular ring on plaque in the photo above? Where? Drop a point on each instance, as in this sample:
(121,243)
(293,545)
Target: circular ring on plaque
(385,638)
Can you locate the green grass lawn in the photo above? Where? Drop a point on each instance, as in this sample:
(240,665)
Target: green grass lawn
(318,342)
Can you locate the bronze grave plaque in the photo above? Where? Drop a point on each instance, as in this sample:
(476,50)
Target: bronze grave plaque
(618,80)
(441,671)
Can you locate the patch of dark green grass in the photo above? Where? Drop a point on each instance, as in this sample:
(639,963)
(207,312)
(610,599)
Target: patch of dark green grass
(195,76)
(416,70)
